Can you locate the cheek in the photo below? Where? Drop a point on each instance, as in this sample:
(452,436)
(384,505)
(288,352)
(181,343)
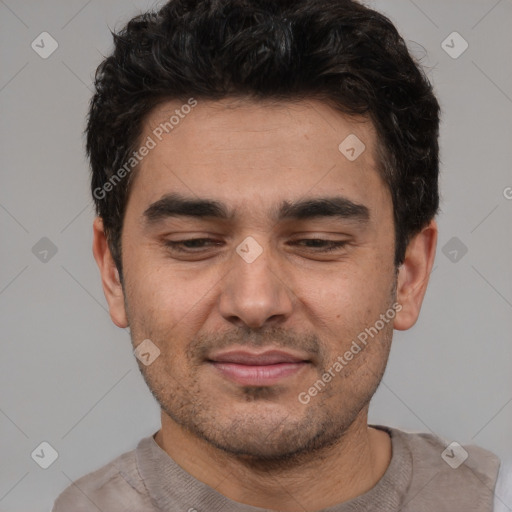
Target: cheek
(169,302)
(343,292)
(344,304)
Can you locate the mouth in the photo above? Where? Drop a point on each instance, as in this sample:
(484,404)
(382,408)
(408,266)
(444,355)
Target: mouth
(257,369)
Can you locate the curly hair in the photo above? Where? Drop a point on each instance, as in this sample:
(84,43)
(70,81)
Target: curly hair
(338,51)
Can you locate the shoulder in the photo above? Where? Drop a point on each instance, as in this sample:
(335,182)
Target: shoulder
(117,486)
(448,475)
(503,491)
(432,451)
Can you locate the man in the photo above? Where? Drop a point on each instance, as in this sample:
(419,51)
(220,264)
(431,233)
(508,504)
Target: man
(266,180)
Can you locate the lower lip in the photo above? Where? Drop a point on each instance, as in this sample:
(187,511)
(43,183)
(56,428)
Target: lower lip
(258,375)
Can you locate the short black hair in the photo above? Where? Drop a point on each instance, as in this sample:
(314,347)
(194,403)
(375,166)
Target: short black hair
(338,51)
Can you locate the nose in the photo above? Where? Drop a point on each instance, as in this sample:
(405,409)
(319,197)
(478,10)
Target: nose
(255,293)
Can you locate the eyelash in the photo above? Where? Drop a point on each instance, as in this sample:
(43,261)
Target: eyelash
(178,245)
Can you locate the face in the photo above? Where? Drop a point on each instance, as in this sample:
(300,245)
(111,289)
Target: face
(255,253)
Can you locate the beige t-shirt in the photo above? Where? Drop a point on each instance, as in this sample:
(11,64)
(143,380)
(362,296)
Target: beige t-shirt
(418,479)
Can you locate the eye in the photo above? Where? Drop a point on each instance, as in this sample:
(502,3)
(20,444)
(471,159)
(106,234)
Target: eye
(321,245)
(191,244)
(196,245)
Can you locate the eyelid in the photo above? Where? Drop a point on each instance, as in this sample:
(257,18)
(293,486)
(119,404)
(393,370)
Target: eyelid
(176,244)
(328,245)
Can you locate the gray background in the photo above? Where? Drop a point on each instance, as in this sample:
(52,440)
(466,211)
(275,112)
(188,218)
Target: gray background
(67,374)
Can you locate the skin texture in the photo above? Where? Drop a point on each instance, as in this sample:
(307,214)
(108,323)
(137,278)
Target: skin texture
(260,445)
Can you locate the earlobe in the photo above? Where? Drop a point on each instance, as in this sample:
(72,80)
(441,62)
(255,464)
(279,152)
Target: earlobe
(111,282)
(414,274)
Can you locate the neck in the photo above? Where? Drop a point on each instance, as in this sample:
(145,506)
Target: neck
(341,472)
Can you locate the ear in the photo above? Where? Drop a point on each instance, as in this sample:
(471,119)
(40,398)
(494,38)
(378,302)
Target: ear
(413,276)
(109,275)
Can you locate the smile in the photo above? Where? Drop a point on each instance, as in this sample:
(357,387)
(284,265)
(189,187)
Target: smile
(263,369)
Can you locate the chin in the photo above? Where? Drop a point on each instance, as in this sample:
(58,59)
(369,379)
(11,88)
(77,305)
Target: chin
(267,439)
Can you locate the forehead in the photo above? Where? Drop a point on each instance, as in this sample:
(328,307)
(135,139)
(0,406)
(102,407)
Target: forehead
(248,152)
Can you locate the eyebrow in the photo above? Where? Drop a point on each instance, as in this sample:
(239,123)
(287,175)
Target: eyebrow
(177,205)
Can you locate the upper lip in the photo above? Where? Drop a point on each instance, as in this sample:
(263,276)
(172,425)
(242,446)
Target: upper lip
(256,359)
